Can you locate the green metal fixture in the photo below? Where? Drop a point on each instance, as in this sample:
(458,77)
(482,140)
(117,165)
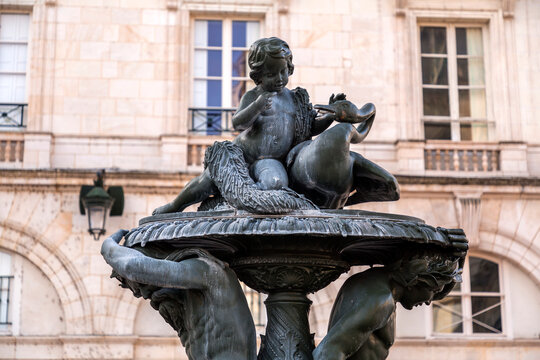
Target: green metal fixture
(98,203)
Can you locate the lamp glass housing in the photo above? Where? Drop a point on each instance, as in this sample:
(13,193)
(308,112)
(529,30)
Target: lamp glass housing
(97,204)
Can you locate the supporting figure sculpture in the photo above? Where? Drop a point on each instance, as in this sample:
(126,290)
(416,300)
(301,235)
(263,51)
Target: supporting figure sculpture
(273,120)
(197,294)
(362,321)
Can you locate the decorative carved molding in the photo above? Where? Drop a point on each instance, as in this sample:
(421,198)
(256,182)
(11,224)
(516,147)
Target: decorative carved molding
(306,274)
(283,6)
(508,8)
(401,7)
(172,5)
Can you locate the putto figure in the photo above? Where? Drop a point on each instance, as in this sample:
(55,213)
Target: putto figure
(277,153)
(197,294)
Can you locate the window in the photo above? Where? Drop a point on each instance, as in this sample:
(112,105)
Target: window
(6,282)
(220,71)
(474,307)
(14,31)
(453,83)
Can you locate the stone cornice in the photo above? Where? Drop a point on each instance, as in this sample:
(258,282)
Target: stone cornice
(165,182)
(72,180)
(451,180)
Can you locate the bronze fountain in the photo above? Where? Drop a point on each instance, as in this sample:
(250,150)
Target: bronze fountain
(271,215)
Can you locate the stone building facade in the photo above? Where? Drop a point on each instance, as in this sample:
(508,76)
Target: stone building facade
(140,88)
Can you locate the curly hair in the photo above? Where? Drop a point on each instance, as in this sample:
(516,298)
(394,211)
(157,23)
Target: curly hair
(435,272)
(263,48)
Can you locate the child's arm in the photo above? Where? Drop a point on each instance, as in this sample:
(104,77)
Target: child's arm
(250,107)
(322,122)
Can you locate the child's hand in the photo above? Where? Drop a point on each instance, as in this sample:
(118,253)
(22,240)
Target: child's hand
(264,101)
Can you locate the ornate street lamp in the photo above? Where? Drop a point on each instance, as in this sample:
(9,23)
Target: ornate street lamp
(98,204)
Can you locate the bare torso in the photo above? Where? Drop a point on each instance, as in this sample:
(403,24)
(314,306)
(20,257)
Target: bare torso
(203,325)
(272,133)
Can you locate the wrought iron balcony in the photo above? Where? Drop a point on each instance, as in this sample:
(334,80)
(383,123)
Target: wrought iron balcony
(13,115)
(211,120)
(5,287)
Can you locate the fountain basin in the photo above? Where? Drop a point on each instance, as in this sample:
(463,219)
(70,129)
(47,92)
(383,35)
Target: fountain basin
(302,251)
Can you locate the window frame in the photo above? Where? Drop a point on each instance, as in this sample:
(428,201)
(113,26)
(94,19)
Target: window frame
(226,49)
(450,24)
(466,294)
(24,10)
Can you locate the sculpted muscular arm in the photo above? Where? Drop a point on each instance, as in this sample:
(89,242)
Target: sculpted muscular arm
(251,106)
(135,266)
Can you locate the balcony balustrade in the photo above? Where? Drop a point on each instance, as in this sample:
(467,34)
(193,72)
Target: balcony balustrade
(463,157)
(11,149)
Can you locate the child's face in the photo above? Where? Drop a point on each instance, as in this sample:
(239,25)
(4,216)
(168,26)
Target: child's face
(275,75)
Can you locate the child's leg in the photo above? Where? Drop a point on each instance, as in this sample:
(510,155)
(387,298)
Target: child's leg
(197,190)
(269,174)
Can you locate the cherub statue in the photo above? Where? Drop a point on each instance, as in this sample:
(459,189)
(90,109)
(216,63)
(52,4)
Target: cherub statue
(362,320)
(197,294)
(277,153)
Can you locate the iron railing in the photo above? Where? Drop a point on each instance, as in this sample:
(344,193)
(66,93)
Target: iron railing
(13,115)
(211,120)
(5,287)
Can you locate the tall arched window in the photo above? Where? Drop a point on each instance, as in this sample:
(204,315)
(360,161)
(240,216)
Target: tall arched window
(474,307)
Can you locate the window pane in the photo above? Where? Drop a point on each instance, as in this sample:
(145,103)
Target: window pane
(239,63)
(489,321)
(252,32)
(465,132)
(12,88)
(200,63)
(469,41)
(433,40)
(436,102)
(239,33)
(214,33)
(214,62)
(437,131)
(447,315)
(201,33)
(484,275)
(5,290)
(14,27)
(213,95)
(238,89)
(13,57)
(472,103)
(473,131)
(434,71)
(470,71)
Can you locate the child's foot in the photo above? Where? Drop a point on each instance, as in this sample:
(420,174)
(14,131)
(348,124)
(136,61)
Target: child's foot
(165,209)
